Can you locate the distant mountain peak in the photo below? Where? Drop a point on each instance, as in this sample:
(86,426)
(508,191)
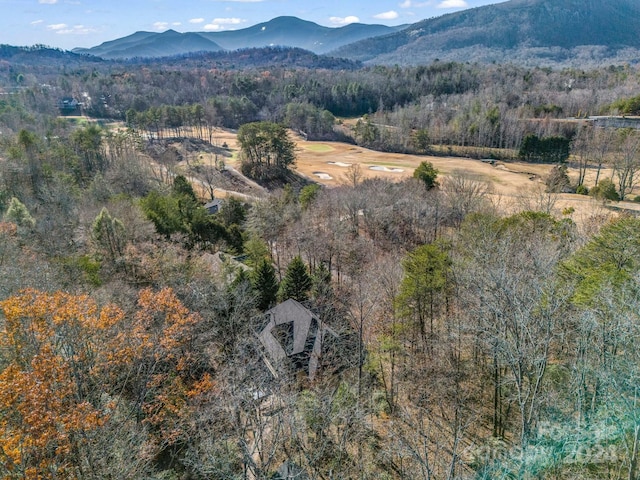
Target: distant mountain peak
(286,31)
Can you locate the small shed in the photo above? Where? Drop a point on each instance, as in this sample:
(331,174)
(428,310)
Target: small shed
(213,206)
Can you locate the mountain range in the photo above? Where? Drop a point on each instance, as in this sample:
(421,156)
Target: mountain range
(535,32)
(281,31)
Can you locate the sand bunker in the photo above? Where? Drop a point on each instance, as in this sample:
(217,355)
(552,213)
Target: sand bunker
(339,164)
(386,169)
(323,176)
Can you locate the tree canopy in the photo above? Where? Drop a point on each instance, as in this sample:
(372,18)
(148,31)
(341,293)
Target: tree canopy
(297,282)
(554,149)
(265,284)
(267,150)
(426,173)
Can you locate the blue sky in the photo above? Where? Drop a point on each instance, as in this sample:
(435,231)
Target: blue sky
(86,23)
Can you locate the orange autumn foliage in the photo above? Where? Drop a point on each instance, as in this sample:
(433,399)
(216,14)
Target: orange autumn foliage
(48,342)
(67,362)
(8,229)
(160,344)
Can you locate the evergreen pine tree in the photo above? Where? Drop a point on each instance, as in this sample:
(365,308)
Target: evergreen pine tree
(322,288)
(17,213)
(182,186)
(109,235)
(296,283)
(265,284)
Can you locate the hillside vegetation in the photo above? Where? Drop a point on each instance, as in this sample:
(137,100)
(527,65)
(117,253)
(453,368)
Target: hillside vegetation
(530,32)
(465,334)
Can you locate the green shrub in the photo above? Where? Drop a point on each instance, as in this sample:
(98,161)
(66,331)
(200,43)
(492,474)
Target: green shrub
(427,173)
(605,190)
(582,190)
(91,269)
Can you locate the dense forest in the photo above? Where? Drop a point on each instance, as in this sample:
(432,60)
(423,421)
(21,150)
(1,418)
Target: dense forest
(471,339)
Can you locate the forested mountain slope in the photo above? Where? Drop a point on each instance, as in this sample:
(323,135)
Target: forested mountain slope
(149,44)
(38,56)
(529,31)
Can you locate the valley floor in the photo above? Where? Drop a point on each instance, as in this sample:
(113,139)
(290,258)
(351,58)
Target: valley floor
(512,183)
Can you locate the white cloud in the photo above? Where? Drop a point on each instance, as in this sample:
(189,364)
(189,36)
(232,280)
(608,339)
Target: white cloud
(64,29)
(48,2)
(176,24)
(196,20)
(411,3)
(344,20)
(227,21)
(218,24)
(453,4)
(37,22)
(390,15)
(161,25)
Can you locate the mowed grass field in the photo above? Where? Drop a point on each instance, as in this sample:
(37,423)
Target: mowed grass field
(321,160)
(512,183)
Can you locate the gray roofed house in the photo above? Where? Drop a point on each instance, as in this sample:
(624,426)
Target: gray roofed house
(68,105)
(295,333)
(213,206)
